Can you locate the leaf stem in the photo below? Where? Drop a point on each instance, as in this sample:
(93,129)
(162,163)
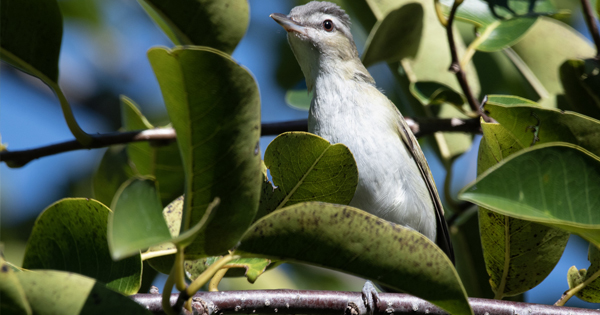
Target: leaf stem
(213,285)
(178,268)
(153,254)
(571,292)
(166,295)
(209,273)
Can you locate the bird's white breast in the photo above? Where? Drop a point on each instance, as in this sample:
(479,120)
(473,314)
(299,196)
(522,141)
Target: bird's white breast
(390,183)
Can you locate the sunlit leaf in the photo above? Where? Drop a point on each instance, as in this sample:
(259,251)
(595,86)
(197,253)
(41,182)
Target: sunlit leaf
(57,292)
(13,296)
(70,235)
(214,106)
(305,167)
(351,240)
(220,24)
(136,221)
(591,291)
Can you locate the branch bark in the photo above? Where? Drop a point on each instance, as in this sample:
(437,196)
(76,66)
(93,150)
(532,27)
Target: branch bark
(419,126)
(336,302)
(457,69)
(590,20)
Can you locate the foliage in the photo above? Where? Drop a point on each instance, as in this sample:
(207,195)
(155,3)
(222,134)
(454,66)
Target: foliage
(538,164)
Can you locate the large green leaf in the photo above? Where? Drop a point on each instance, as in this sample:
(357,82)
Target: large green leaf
(30,36)
(114,170)
(70,235)
(351,240)
(395,37)
(500,35)
(56,292)
(518,254)
(13,299)
(557,184)
(306,167)
(214,106)
(550,125)
(136,221)
(172,215)
(220,24)
(581,82)
(163,162)
(545,47)
(591,291)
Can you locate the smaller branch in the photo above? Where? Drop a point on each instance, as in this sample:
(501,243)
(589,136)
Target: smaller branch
(419,126)
(455,65)
(571,292)
(591,23)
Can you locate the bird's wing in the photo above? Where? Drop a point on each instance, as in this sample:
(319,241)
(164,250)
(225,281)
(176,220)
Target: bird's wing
(443,237)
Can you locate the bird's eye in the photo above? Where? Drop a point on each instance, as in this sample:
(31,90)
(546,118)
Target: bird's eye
(328,25)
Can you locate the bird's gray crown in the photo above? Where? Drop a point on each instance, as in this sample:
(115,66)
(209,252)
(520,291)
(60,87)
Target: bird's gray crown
(302,13)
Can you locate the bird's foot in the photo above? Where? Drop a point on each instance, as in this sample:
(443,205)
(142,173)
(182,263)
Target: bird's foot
(370,297)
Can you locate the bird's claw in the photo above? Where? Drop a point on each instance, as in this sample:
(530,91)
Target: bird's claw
(370,297)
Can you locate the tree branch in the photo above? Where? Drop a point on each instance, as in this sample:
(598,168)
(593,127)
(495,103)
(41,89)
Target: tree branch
(161,136)
(591,23)
(336,302)
(457,69)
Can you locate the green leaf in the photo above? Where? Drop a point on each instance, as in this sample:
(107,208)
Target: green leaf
(251,268)
(13,299)
(220,24)
(298,99)
(114,170)
(395,37)
(353,241)
(551,125)
(163,162)
(57,292)
(545,47)
(581,82)
(500,35)
(486,12)
(172,215)
(509,100)
(136,221)
(555,184)
(434,93)
(70,235)
(214,106)
(518,254)
(30,36)
(591,292)
(306,167)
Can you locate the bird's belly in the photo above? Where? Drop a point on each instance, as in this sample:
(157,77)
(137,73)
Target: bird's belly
(389,187)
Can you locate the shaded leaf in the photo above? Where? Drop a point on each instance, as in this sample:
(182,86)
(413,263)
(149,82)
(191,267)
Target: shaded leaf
(214,106)
(163,162)
(351,240)
(70,235)
(220,24)
(395,37)
(57,292)
(581,82)
(136,221)
(114,170)
(591,292)
(30,36)
(434,93)
(551,125)
(172,215)
(556,184)
(306,167)
(298,99)
(518,254)
(251,268)
(545,47)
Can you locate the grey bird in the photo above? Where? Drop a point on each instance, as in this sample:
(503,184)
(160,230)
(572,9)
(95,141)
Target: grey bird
(395,182)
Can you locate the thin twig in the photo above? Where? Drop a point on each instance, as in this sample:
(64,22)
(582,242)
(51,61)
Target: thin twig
(419,126)
(336,302)
(455,65)
(591,23)
(571,292)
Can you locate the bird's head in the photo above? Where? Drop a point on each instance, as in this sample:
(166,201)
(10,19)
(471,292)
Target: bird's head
(319,35)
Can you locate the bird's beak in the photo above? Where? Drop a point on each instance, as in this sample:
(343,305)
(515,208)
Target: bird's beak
(288,24)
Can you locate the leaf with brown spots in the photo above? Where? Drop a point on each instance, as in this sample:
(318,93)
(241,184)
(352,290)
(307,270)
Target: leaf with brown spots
(353,241)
